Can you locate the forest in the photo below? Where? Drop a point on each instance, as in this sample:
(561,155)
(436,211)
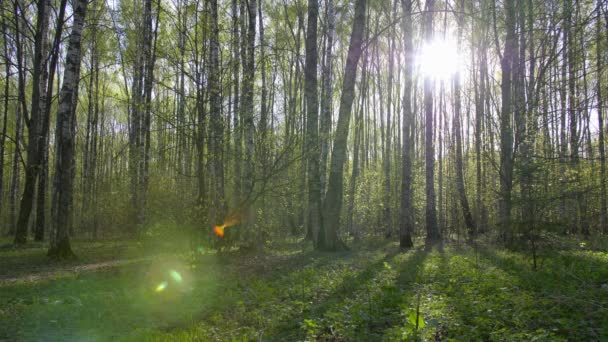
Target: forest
(303,170)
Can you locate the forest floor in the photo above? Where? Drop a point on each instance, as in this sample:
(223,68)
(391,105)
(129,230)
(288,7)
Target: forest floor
(116,291)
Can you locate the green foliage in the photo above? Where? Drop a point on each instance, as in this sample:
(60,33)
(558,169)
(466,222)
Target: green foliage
(291,293)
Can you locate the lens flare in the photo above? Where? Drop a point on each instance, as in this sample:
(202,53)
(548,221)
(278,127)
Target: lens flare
(176,276)
(231,220)
(161,287)
(219,230)
(440,59)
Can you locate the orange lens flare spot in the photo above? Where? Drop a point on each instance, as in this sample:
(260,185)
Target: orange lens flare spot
(231,220)
(219,230)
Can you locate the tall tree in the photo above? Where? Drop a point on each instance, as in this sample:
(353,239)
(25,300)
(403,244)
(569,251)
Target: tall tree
(386,159)
(600,119)
(332,204)
(247,105)
(464,203)
(7,82)
(65,136)
(432,229)
(216,122)
(326,98)
(407,207)
(236,119)
(43,175)
(312,127)
(34,123)
(506,130)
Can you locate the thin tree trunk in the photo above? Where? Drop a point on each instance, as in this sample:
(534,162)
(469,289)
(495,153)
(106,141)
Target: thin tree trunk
(388,134)
(248,123)
(236,62)
(21,113)
(312,119)
(464,203)
(216,124)
(432,230)
(600,122)
(407,207)
(326,99)
(263,126)
(7,79)
(506,131)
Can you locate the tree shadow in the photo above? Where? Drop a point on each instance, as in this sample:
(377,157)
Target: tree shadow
(337,310)
(505,296)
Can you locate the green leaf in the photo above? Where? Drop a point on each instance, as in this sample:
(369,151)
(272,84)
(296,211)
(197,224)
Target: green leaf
(412,317)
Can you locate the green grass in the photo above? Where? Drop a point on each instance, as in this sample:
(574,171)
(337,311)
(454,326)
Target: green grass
(292,293)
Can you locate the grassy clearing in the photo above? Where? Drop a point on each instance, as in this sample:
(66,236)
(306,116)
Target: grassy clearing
(292,293)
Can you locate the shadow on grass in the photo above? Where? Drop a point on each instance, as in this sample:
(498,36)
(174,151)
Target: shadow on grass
(362,305)
(273,292)
(396,301)
(562,299)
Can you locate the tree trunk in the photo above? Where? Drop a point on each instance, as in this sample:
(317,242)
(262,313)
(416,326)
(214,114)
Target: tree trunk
(312,138)
(600,122)
(21,112)
(333,199)
(6,94)
(263,126)
(326,99)
(506,131)
(407,207)
(43,177)
(386,159)
(216,123)
(248,123)
(464,203)
(363,93)
(65,136)
(34,123)
(432,230)
(235,102)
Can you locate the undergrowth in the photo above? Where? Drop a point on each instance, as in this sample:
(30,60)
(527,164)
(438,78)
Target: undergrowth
(291,293)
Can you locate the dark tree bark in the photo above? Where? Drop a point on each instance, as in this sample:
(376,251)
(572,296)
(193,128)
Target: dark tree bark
(432,229)
(7,73)
(140,117)
(356,150)
(248,123)
(43,177)
(386,159)
(464,202)
(312,120)
(34,123)
(65,135)
(216,123)
(506,130)
(327,97)
(407,207)
(600,122)
(201,117)
(21,113)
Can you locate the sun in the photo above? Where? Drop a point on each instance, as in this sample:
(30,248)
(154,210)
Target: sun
(439,59)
